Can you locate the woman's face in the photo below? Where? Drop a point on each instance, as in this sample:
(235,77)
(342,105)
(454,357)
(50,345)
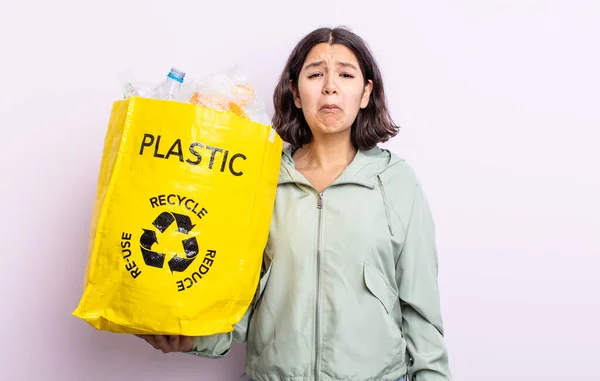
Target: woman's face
(331,89)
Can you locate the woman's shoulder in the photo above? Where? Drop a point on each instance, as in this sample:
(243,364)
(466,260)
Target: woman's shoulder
(398,171)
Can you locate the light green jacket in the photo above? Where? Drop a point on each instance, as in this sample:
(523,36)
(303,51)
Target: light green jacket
(350,289)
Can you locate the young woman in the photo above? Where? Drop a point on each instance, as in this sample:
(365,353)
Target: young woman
(349,289)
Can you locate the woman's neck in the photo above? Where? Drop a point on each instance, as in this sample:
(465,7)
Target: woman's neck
(325,153)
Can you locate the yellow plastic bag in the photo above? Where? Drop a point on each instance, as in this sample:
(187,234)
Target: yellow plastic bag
(181,218)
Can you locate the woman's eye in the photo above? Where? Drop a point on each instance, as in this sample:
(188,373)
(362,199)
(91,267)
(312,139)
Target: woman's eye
(315,75)
(346,75)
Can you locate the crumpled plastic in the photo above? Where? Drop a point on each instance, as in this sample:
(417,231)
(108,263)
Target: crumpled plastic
(229,91)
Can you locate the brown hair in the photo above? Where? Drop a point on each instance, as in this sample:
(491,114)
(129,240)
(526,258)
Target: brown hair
(373,124)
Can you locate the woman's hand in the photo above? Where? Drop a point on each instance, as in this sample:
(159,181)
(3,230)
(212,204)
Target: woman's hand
(168,344)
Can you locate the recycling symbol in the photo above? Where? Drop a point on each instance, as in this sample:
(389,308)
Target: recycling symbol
(149,238)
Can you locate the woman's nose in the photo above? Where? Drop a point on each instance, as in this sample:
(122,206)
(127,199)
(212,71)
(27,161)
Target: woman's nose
(330,86)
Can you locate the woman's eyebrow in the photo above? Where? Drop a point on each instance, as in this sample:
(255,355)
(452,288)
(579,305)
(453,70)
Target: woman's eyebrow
(321,63)
(314,64)
(346,64)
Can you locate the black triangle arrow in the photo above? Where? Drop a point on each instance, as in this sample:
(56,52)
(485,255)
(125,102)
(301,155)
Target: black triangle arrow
(148,239)
(190,246)
(184,224)
(179,264)
(153,259)
(163,221)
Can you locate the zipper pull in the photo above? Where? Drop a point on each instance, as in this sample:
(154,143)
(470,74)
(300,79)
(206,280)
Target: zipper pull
(320,201)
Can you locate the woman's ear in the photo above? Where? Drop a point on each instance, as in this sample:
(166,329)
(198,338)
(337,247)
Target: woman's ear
(364,101)
(295,94)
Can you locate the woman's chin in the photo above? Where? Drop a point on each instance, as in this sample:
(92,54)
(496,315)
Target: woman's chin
(334,129)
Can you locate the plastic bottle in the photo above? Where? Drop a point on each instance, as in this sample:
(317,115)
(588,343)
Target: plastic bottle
(169,88)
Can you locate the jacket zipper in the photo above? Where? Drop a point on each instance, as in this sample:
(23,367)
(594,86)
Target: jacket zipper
(317,320)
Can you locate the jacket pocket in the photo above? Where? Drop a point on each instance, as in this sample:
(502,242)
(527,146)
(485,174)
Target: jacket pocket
(387,296)
(379,288)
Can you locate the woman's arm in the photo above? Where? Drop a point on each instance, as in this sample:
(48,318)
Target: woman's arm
(219,345)
(416,277)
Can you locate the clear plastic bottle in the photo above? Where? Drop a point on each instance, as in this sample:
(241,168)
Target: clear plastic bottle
(169,88)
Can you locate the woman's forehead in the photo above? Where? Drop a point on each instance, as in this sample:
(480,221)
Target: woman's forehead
(330,54)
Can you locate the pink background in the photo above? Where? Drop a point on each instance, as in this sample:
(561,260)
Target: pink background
(499,106)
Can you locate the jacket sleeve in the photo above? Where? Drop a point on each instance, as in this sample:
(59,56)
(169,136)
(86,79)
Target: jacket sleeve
(416,277)
(219,345)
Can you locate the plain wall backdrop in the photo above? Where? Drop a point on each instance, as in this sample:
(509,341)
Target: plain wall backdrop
(499,105)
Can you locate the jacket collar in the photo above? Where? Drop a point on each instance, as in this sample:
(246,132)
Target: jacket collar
(362,170)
